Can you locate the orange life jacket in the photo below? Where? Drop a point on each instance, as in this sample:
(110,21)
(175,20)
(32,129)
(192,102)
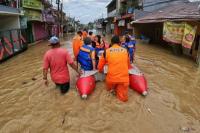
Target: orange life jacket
(118,63)
(77,43)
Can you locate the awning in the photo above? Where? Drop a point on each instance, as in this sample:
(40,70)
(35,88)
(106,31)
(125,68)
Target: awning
(177,12)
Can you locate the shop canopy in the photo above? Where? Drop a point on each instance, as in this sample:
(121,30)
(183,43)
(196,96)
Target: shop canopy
(179,12)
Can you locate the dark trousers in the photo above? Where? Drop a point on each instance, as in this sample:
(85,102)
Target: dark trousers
(64,88)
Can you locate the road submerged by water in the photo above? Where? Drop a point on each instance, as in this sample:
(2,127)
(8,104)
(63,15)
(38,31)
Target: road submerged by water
(172,106)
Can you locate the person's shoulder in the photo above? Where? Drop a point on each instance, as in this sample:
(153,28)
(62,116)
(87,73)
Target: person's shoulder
(63,50)
(48,52)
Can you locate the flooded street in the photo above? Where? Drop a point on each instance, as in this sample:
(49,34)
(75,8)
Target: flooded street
(172,106)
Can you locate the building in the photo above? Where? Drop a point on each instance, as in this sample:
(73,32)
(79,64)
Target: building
(119,15)
(126,15)
(49,17)
(100,25)
(172,25)
(12,37)
(33,14)
(112,9)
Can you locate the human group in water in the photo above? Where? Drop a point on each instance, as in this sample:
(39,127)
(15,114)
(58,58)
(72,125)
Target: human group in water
(92,53)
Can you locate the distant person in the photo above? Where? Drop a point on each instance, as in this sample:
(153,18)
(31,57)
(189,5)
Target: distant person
(86,56)
(123,41)
(117,78)
(91,35)
(85,33)
(105,43)
(77,43)
(99,47)
(130,46)
(126,33)
(56,59)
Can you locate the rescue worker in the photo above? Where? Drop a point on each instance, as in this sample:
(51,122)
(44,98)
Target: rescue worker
(126,34)
(85,34)
(117,78)
(56,59)
(123,42)
(77,43)
(86,56)
(130,46)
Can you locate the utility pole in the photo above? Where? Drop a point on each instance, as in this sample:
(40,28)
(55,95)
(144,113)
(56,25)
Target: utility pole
(58,4)
(61,27)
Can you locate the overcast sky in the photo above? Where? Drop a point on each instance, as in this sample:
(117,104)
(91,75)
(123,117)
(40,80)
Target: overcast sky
(86,10)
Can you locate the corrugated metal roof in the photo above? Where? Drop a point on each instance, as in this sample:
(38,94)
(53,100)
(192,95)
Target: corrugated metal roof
(179,12)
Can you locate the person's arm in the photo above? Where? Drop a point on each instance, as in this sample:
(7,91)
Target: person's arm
(93,60)
(74,66)
(71,63)
(45,72)
(45,69)
(102,62)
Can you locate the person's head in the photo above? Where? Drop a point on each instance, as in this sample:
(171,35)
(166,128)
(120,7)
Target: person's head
(80,33)
(90,33)
(126,32)
(115,40)
(98,39)
(54,42)
(85,30)
(127,39)
(87,41)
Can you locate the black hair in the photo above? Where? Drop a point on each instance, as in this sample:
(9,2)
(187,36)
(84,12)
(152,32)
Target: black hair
(126,32)
(99,39)
(85,30)
(90,33)
(87,41)
(115,39)
(127,39)
(79,32)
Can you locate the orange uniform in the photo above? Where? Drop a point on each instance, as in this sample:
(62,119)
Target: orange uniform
(117,77)
(85,34)
(77,44)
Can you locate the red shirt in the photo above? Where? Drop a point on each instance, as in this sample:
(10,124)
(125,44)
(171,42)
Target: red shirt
(56,59)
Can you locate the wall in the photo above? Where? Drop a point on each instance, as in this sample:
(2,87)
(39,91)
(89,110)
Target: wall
(196,44)
(9,22)
(153,31)
(118,3)
(40,31)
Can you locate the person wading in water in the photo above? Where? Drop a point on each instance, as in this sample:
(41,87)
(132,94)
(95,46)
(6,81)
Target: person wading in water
(56,59)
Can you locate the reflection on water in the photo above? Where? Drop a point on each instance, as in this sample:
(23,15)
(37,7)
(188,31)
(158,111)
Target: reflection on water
(172,105)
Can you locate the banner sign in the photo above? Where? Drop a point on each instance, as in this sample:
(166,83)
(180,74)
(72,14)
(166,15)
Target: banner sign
(179,33)
(33,15)
(173,32)
(189,36)
(33,4)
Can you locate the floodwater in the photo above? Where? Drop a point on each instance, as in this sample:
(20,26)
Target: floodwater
(172,106)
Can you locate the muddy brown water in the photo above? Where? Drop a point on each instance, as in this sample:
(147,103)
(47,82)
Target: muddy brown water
(172,106)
